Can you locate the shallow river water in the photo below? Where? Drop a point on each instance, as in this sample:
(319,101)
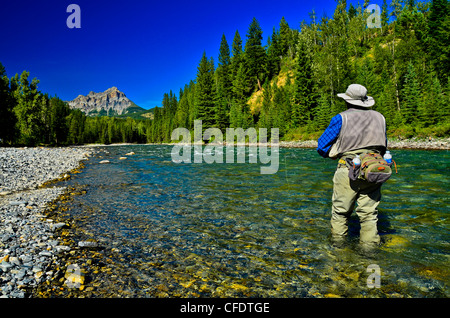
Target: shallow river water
(226,230)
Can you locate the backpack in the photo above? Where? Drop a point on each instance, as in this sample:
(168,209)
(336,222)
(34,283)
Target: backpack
(373,168)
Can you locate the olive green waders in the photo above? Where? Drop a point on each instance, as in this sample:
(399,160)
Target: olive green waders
(346,193)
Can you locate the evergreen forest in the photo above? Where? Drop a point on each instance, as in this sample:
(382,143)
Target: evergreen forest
(288,79)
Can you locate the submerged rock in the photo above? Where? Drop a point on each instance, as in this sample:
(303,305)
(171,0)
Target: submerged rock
(90,244)
(57,226)
(14,203)
(74,276)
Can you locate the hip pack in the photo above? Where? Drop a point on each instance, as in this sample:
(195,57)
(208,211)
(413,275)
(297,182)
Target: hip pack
(373,168)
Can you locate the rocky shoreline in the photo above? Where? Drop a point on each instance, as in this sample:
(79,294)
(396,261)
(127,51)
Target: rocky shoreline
(413,143)
(29,240)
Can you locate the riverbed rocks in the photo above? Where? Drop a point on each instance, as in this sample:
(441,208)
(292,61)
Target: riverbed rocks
(420,143)
(29,241)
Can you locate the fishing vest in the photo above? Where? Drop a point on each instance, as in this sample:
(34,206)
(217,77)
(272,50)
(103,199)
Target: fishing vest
(360,129)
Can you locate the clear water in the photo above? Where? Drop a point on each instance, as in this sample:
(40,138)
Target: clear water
(225,230)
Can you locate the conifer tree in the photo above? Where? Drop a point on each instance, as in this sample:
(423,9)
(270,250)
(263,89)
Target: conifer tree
(432,101)
(182,115)
(255,57)
(240,114)
(282,109)
(274,54)
(265,118)
(224,66)
(384,17)
(237,53)
(285,37)
(439,31)
(224,85)
(322,114)
(411,96)
(304,90)
(206,92)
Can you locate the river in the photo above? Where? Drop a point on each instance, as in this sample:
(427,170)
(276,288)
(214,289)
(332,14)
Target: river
(226,230)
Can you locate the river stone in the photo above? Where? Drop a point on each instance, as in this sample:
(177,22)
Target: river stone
(57,225)
(45,253)
(15,203)
(5,266)
(87,244)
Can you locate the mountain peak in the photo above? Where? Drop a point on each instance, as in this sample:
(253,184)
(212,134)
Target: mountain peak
(110,102)
(112,89)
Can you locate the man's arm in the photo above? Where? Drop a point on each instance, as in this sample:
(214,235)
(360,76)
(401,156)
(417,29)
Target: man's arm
(329,136)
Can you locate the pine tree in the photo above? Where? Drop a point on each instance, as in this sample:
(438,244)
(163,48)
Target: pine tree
(265,118)
(224,85)
(224,53)
(432,101)
(285,38)
(411,96)
(206,92)
(182,115)
(75,122)
(386,101)
(237,53)
(439,33)
(304,90)
(274,54)
(282,109)
(240,114)
(352,12)
(384,17)
(396,8)
(322,114)
(255,57)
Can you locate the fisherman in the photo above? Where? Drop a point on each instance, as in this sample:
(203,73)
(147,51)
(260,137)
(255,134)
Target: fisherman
(356,131)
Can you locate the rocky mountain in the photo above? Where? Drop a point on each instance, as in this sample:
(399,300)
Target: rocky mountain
(111,102)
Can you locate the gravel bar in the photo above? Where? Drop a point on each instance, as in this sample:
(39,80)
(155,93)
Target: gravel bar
(28,241)
(413,143)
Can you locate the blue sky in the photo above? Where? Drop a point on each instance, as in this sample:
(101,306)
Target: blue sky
(145,48)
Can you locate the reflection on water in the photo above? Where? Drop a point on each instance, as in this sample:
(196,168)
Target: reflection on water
(225,230)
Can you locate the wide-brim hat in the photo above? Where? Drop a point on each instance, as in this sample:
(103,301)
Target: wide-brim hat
(357,95)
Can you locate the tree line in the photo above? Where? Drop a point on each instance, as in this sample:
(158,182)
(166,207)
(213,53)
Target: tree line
(289,82)
(29,117)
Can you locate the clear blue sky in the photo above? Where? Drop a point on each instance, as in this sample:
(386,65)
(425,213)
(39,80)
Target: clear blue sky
(145,48)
